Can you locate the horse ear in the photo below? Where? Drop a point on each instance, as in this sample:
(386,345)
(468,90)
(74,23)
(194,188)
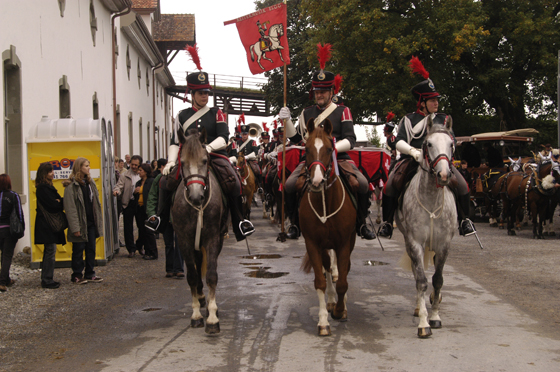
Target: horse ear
(181,135)
(327,127)
(511,160)
(203,136)
(310,126)
(448,122)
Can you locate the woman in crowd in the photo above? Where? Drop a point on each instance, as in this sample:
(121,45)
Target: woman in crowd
(50,200)
(8,201)
(145,241)
(83,210)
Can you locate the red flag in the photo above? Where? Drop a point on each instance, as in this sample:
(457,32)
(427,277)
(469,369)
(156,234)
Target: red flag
(263,34)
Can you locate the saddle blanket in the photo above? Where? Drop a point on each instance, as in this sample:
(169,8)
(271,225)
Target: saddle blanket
(373,162)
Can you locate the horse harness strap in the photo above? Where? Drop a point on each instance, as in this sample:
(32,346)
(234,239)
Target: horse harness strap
(200,219)
(433,215)
(324,217)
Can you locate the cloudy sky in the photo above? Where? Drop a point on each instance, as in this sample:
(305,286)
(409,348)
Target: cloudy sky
(220,48)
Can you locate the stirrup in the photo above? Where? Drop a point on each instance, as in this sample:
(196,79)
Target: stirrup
(466,227)
(386,230)
(293,232)
(366,233)
(246,228)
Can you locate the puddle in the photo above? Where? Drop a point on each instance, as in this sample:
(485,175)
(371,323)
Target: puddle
(261,256)
(152,309)
(249,263)
(374,263)
(263,273)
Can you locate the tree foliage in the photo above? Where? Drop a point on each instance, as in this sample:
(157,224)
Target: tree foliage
(493,61)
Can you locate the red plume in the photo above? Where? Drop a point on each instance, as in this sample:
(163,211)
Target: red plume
(418,68)
(241,119)
(324,54)
(390,116)
(275,123)
(265,128)
(193,51)
(337,83)
(238,129)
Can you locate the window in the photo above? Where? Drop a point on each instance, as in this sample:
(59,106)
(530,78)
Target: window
(12,113)
(128,62)
(148,81)
(64,98)
(95,106)
(92,21)
(117,137)
(62,5)
(140,139)
(130,135)
(139,74)
(116,48)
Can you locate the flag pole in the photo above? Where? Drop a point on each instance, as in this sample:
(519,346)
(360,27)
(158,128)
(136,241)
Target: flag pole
(282,236)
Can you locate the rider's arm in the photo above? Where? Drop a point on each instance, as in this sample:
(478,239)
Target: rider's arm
(347,138)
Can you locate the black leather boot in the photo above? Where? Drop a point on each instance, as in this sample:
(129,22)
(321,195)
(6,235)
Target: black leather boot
(389,206)
(241,227)
(362,228)
(291,205)
(466,227)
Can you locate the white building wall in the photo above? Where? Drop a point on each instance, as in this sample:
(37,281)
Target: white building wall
(50,46)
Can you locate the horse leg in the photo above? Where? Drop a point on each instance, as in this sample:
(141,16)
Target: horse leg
(343,257)
(332,277)
(437,283)
(212,322)
(415,252)
(197,320)
(323,327)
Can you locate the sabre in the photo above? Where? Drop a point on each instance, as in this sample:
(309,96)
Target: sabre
(479,242)
(247,242)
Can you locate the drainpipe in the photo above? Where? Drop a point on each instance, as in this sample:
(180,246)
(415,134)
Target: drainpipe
(113,70)
(154,104)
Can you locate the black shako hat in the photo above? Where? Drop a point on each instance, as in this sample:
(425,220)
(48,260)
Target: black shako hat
(198,81)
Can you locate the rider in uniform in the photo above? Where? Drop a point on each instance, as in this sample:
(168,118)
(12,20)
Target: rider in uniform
(390,138)
(343,132)
(410,136)
(217,132)
(249,148)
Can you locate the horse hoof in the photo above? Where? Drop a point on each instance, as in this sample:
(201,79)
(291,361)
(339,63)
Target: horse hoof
(202,301)
(212,329)
(424,332)
(342,318)
(416,311)
(197,323)
(495,224)
(501,227)
(330,307)
(435,324)
(324,330)
(545,233)
(511,233)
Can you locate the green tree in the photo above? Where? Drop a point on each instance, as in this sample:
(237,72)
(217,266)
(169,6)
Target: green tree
(373,137)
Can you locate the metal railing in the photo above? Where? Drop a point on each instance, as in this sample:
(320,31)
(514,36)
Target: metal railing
(232,82)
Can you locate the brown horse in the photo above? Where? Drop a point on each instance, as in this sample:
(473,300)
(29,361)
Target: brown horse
(248,183)
(533,192)
(327,220)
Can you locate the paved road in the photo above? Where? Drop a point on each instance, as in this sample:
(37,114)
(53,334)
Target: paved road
(268,316)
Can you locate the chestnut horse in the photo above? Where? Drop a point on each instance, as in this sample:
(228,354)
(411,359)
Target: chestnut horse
(248,183)
(328,224)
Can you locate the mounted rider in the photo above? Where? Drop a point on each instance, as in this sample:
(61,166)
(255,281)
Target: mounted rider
(249,148)
(410,137)
(264,39)
(390,138)
(200,117)
(345,138)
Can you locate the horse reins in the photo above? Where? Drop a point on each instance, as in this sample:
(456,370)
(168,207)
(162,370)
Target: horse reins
(203,182)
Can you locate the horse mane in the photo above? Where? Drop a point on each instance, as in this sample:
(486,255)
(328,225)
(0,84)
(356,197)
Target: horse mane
(192,148)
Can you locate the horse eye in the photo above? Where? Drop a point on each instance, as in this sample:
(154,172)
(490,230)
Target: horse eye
(429,144)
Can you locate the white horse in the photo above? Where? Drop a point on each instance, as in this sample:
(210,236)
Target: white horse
(428,219)
(274,34)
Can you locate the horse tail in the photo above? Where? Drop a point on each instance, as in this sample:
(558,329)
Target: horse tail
(252,53)
(306,264)
(204,267)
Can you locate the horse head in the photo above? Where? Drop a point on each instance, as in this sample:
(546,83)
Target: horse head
(438,148)
(515,165)
(194,165)
(276,30)
(319,153)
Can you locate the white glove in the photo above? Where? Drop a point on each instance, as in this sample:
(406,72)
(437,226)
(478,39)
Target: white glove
(284,113)
(233,160)
(216,145)
(343,145)
(172,152)
(251,156)
(416,154)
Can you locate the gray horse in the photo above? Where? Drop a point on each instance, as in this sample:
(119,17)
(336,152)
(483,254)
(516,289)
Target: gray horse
(198,217)
(428,220)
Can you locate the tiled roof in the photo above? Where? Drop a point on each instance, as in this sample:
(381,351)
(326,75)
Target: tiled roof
(144,4)
(174,27)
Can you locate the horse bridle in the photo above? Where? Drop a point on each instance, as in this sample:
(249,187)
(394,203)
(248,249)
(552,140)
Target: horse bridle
(432,163)
(197,178)
(327,169)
